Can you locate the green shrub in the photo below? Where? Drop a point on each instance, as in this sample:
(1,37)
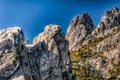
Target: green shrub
(26,42)
(83,71)
(14,56)
(118,28)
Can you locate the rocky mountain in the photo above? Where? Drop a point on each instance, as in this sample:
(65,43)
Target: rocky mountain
(11,40)
(99,58)
(47,58)
(110,19)
(84,53)
(78,31)
(58,45)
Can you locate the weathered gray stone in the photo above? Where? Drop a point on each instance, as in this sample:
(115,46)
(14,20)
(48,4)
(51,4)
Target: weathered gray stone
(110,19)
(11,40)
(80,27)
(102,44)
(56,43)
(47,59)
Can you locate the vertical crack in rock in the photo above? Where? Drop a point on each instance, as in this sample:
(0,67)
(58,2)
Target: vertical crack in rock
(46,59)
(58,46)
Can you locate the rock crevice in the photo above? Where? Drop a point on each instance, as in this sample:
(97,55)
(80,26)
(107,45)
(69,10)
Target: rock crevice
(47,58)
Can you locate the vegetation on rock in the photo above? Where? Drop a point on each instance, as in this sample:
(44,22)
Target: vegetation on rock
(85,71)
(26,42)
(14,56)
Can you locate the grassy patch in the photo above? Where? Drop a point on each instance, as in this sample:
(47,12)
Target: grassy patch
(14,56)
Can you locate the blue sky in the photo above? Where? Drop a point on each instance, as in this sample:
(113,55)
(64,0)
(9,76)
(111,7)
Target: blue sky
(33,15)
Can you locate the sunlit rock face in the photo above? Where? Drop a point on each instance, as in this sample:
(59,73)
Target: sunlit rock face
(11,40)
(109,20)
(95,51)
(101,51)
(52,36)
(46,59)
(56,43)
(80,27)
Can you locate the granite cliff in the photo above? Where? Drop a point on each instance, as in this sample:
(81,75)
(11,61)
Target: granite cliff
(84,53)
(97,55)
(48,58)
(78,31)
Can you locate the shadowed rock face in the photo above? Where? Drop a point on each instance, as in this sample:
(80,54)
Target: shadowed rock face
(80,27)
(57,44)
(11,40)
(38,63)
(46,59)
(110,19)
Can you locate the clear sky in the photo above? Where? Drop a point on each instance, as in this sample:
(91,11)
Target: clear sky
(33,15)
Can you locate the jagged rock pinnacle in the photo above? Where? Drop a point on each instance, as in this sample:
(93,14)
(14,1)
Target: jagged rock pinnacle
(79,28)
(110,19)
(47,58)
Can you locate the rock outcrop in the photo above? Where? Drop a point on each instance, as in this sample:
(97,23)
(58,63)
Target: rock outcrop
(11,40)
(108,50)
(95,54)
(56,43)
(100,56)
(80,27)
(110,19)
(47,58)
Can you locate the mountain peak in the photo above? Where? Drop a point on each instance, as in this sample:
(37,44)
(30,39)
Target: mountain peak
(81,19)
(85,14)
(80,27)
(50,31)
(109,20)
(52,27)
(46,59)
(112,11)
